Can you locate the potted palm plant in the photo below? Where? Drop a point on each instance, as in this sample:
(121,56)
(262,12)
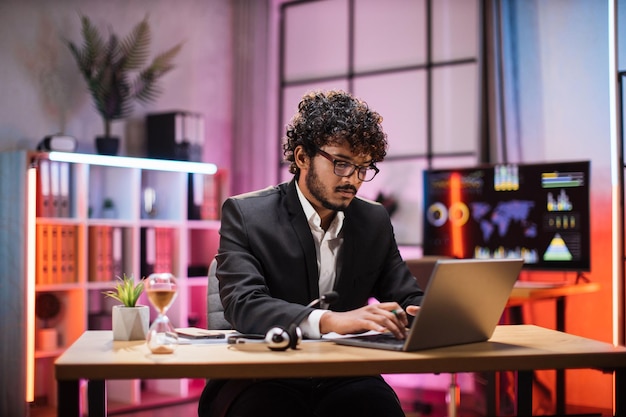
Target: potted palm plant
(117,73)
(130,321)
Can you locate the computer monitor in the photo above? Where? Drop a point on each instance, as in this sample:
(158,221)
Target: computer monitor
(538,212)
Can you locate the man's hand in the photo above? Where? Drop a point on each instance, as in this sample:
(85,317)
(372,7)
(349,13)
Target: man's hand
(379,317)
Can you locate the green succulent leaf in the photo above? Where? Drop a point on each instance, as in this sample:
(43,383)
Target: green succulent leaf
(126,291)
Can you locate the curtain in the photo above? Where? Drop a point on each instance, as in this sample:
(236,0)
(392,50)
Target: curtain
(500,122)
(250,109)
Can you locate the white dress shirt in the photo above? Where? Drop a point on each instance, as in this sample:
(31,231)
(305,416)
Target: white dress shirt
(328,245)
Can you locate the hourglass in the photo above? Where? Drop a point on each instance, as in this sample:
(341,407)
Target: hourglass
(161,289)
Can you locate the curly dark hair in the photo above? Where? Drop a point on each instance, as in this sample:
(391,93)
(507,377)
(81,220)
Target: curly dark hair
(334,117)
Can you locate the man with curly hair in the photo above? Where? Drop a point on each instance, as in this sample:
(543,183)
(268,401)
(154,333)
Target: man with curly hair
(283,246)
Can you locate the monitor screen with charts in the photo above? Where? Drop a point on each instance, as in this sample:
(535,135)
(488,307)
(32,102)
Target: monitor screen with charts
(538,212)
(463,303)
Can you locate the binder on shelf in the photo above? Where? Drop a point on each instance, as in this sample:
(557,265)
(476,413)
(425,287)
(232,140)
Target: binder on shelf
(163,250)
(91,254)
(64,189)
(70,253)
(96,256)
(53,254)
(55,188)
(41,274)
(117,252)
(56,254)
(159,260)
(148,250)
(43,189)
(211,201)
(107,254)
(203,197)
(61,254)
(195,195)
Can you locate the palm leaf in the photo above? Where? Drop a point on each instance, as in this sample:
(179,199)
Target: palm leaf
(136,46)
(145,89)
(162,63)
(107,64)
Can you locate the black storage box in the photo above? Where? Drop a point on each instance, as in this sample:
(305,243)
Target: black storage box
(175,135)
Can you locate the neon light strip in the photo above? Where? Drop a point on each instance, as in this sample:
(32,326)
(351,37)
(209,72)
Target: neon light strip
(31,213)
(456,230)
(129,162)
(617,189)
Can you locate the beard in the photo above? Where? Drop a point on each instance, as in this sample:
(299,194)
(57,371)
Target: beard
(317,190)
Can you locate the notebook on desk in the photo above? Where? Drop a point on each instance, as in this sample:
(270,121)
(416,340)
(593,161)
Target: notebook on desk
(463,302)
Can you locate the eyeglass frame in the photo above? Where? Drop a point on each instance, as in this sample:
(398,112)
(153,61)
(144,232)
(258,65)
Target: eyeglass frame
(355,167)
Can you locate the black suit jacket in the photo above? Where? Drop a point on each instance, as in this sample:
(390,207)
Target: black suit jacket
(267,265)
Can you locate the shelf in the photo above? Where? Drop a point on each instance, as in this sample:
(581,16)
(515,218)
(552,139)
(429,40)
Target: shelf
(47,354)
(94,219)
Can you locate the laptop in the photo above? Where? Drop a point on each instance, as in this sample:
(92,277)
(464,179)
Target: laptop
(463,303)
(422,268)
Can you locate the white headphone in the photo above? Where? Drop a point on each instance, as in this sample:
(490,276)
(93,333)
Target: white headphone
(277,338)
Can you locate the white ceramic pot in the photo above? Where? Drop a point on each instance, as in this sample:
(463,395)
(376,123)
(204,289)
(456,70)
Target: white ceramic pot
(130,323)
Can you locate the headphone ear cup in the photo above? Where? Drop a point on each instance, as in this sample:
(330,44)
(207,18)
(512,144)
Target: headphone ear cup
(277,338)
(295,335)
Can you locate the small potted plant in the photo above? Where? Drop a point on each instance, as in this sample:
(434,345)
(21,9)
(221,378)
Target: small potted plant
(47,308)
(130,321)
(118,73)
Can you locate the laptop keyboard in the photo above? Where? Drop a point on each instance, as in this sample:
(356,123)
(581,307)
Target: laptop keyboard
(385,338)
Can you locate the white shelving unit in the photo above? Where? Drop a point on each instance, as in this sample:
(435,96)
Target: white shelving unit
(190,245)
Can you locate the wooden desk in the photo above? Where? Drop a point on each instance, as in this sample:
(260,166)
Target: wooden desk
(529,291)
(525,291)
(523,348)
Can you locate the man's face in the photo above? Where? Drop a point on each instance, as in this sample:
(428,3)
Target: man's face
(322,187)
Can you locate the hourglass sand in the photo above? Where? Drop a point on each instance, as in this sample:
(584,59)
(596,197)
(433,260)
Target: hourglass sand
(161,289)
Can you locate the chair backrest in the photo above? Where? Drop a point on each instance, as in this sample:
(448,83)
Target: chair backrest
(215,309)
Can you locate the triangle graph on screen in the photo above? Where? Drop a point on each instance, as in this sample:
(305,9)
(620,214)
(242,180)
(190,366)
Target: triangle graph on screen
(557,251)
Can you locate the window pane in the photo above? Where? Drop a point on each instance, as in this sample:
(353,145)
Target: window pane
(316,40)
(389,34)
(455,109)
(455,29)
(400,98)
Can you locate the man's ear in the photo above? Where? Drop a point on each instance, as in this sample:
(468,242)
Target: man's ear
(300,157)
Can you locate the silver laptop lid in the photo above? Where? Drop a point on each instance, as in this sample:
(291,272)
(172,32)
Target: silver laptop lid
(463,302)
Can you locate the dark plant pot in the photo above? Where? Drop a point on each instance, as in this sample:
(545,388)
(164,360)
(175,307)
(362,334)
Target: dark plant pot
(107,145)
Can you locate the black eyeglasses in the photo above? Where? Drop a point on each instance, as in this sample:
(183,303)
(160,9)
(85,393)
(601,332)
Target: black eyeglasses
(345,168)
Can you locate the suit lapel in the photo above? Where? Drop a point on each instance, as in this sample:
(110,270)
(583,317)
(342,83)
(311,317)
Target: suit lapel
(303,232)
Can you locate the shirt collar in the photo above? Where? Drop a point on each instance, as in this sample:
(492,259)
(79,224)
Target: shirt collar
(314,219)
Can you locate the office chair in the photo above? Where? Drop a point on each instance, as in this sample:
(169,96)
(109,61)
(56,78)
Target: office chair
(215,309)
(215,321)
